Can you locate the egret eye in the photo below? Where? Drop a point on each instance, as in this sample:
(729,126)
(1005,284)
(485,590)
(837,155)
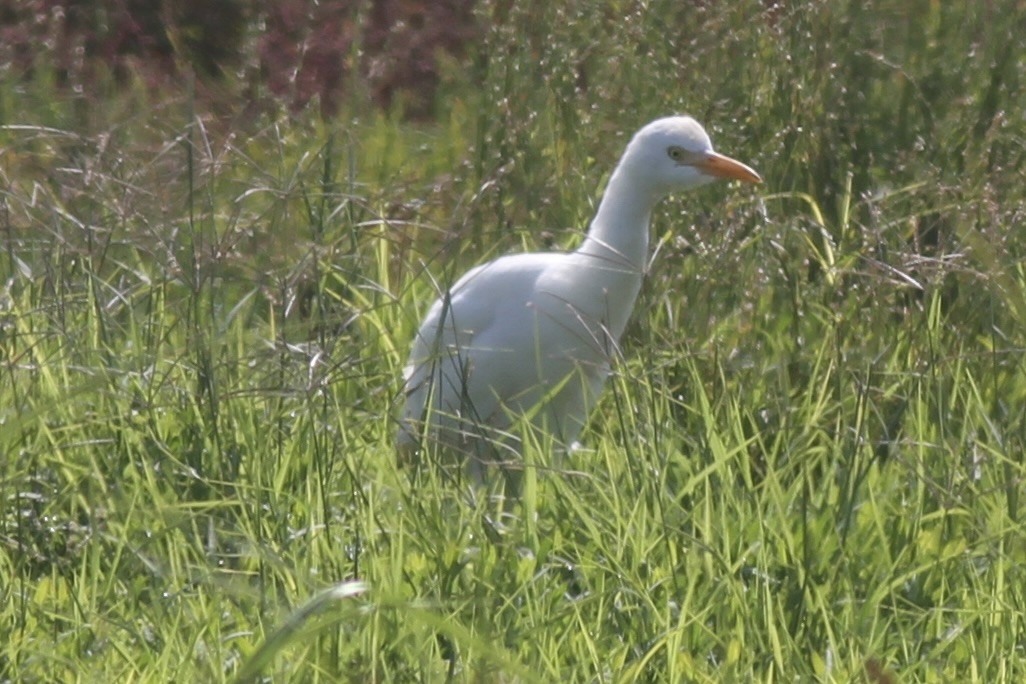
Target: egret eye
(677,154)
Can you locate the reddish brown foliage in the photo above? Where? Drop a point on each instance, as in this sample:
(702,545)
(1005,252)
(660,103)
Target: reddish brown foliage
(401,39)
(304,50)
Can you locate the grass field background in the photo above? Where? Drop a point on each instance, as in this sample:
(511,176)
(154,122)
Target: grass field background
(809,462)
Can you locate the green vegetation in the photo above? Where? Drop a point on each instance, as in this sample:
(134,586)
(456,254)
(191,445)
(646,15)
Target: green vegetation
(810,462)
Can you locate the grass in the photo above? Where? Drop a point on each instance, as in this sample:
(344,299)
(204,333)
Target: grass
(807,467)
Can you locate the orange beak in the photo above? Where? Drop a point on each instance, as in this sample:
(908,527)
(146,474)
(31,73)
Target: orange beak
(722,166)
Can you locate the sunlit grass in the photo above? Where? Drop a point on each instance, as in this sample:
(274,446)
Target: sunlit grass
(808,463)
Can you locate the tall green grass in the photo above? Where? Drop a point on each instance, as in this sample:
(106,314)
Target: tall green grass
(808,464)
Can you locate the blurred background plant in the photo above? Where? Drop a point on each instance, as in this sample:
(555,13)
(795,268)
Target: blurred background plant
(291,51)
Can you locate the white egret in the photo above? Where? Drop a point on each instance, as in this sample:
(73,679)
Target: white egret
(531,336)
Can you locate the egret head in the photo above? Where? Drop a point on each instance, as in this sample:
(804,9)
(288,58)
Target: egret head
(675,153)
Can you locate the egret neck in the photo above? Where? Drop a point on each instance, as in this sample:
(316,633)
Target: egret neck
(617,242)
(619,231)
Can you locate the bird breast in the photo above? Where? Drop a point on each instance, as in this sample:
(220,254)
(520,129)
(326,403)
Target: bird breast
(591,295)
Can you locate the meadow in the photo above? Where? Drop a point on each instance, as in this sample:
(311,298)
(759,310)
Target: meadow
(809,460)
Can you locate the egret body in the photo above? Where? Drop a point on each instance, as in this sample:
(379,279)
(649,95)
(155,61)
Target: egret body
(531,336)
